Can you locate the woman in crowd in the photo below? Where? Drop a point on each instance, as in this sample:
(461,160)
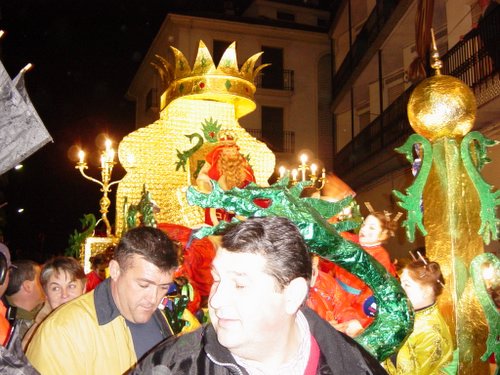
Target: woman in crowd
(429,347)
(98,263)
(63,279)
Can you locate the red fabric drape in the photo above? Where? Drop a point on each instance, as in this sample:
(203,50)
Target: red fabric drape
(423,24)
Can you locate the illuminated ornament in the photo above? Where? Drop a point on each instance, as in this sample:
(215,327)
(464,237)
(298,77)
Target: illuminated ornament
(441,106)
(196,105)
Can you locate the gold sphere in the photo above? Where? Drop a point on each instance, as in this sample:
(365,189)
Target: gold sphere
(442,106)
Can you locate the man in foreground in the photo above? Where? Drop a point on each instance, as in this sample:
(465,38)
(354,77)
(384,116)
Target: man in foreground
(107,330)
(258,323)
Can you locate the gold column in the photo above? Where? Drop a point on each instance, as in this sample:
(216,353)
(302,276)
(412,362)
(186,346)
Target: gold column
(451,217)
(442,110)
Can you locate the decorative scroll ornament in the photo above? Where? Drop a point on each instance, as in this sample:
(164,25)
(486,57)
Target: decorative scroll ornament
(395,315)
(475,143)
(488,305)
(412,200)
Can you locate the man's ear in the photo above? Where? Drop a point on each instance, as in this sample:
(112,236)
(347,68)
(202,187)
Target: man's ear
(114,269)
(27,285)
(295,294)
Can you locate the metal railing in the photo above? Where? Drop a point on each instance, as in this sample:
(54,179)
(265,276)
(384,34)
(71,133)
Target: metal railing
(371,29)
(476,58)
(390,126)
(473,60)
(283,142)
(278,80)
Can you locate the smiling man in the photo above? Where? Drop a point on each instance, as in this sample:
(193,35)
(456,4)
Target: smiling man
(259,324)
(107,330)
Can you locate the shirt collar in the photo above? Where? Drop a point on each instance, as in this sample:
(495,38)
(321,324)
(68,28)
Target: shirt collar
(105,306)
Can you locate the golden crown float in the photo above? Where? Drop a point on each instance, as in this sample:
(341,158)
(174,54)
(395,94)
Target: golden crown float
(199,116)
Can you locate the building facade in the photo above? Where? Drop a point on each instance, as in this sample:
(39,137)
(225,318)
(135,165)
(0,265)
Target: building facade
(374,44)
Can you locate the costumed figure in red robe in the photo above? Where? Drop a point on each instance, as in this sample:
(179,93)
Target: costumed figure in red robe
(226,165)
(337,295)
(357,307)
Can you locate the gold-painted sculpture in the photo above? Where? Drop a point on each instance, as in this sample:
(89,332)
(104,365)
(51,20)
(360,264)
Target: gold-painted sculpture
(459,207)
(193,98)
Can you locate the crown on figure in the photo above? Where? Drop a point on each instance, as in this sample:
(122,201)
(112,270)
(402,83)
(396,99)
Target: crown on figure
(227,136)
(225,83)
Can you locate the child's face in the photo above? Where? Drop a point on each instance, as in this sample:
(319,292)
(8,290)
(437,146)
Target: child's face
(371,232)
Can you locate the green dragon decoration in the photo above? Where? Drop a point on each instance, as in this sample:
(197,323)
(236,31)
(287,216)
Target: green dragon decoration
(473,143)
(211,129)
(488,305)
(412,200)
(477,142)
(76,239)
(394,320)
(144,211)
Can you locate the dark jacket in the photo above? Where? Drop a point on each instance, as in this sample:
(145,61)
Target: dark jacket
(12,359)
(199,352)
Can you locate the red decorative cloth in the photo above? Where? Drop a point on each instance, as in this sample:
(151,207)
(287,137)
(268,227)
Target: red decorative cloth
(328,299)
(92,281)
(196,266)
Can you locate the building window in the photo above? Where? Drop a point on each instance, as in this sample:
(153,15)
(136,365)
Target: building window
(272,128)
(220,47)
(285,16)
(272,76)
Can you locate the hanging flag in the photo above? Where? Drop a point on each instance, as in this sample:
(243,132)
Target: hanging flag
(22,131)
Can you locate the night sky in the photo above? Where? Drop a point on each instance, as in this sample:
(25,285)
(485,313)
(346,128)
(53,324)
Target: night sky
(85,54)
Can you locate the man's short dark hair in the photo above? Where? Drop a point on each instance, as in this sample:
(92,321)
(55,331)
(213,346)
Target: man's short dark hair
(150,243)
(23,270)
(278,240)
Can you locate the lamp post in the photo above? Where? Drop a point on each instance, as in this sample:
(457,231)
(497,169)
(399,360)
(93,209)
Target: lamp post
(107,163)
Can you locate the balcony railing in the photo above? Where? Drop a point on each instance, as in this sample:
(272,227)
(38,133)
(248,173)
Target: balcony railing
(283,142)
(365,38)
(390,126)
(477,57)
(279,80)
(472,60)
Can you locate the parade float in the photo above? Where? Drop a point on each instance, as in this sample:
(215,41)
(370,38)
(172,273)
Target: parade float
(163,187)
